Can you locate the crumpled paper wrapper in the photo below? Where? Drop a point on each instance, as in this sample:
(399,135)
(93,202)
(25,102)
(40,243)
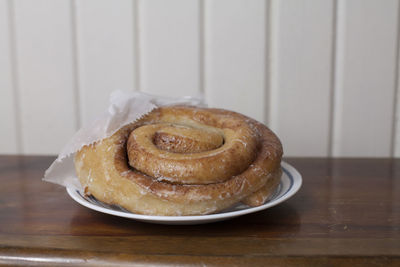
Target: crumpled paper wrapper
(125,108)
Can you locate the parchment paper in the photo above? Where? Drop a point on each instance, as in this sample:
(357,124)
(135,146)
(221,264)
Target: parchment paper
(125,107)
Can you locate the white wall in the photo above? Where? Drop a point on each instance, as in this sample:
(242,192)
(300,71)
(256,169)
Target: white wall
(322,74)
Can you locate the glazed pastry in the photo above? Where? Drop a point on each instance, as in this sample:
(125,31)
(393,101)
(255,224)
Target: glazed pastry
(182,160)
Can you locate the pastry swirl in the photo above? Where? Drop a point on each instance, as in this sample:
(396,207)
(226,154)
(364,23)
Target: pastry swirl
(181,160)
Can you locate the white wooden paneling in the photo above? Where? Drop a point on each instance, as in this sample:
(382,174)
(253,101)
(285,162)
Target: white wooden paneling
(396,122)
(105,38)
(169,43)
(322,74)
(365,77)
(235,67)
(300,75)
(8,119)
(45,73)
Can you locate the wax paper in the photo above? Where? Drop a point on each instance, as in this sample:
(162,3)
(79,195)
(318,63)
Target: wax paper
(124,108)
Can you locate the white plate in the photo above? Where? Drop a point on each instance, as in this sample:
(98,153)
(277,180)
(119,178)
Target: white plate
(290,184)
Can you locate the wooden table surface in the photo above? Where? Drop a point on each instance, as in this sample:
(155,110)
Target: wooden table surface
(346,213)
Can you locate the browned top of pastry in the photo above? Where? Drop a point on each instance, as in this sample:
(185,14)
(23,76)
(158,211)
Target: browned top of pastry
(182,160)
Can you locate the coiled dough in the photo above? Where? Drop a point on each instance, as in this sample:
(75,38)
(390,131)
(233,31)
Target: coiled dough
(181,160)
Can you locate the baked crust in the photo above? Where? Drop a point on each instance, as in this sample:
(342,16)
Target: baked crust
(134,170)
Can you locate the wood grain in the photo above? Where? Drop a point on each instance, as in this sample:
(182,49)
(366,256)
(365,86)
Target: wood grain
(347,213)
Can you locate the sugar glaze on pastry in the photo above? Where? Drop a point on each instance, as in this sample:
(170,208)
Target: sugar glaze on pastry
(183,160)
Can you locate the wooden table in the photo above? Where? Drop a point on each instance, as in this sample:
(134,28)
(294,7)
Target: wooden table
(346,213)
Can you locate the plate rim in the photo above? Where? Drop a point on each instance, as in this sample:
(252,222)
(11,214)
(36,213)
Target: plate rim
(293,174)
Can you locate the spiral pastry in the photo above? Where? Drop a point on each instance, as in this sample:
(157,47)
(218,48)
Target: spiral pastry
(182,160)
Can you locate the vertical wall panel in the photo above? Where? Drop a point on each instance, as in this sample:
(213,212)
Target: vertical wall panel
(365,77)
(396,119)
(235,43)
(300,77)
(8,119)
(45,73)
(105,37)
(281,62)
(169,44)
